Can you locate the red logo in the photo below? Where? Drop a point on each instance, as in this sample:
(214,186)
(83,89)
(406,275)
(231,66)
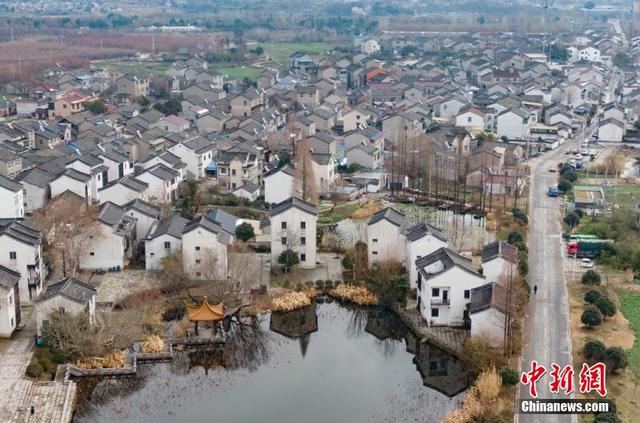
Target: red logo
(561,379)
(531,377)
(592,378)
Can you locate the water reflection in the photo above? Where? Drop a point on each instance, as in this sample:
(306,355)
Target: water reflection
(326,363)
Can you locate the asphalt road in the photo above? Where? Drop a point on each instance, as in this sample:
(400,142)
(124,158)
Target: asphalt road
(547,327)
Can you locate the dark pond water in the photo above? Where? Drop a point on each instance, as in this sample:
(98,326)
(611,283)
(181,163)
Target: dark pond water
(333,364)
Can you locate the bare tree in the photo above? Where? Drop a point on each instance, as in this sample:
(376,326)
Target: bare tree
(304,183)
(69,226)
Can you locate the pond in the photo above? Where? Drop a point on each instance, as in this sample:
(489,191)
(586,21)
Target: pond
(325,363)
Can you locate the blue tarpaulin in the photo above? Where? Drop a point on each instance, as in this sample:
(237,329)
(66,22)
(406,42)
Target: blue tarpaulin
(213,166)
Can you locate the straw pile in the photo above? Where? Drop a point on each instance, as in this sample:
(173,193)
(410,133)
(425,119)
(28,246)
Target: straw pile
(112,360)
(356,294)
(152,344)
(290,301)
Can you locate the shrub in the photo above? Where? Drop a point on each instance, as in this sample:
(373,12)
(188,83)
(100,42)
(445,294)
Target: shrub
(606,306)
(509,376)
(594,350)
(591,277)
(288,259)
(34,369)
(579,213)
(244,232)
(592,296)
(564,186)
(616,359)
(572,219)
(591,316)
(565,168)
(607,418)
(520,216)
(515,237)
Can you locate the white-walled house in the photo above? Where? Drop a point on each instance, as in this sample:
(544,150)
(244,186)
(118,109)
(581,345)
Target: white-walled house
(9,301)
(422,239)
(515,123)
(92,166)
(499,261)
(610,130)
(278,184)
(249,191)
(451,106)
(118,164)
(11,199)
(324,171)
(165,239)
(146,215)
(204,249)
(197,153)
(35,186)
(71,180)
(385,237)
(21,251)
(111,244)
(71,296)
(487,313)
(471,118)
(445,281)
(163,183)
(293,226)
(123,191)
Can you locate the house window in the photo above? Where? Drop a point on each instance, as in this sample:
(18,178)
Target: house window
(375,253)
(467,293)
(92,253)
(303,257)
(12,322)
(13,255)
(303,240)
(469,119)
(233,172)
(198,261)
(375,239)
(197,248)
(435,312)
(198,274)
(303,225)
(435,292)
(152,254)
(167,245)
(284,240)
(283,225)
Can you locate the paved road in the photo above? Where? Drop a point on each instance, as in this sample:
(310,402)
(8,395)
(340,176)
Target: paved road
(547,328)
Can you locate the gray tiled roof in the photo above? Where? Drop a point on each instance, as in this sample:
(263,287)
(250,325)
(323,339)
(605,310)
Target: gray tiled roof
(8,278)
(22,233)
(70,288)
(499,249)
(74,174)
(10,184)
(449,259)
(486,296)
(173,225)
(36,177)
(293,202)
(111,214)
(163,172)
(227,221)
(208,224)
(143,207)
(421,229)
(134,183)
(390,214)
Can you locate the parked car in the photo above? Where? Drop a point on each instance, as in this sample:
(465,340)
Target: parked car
(587,263)
(553,170)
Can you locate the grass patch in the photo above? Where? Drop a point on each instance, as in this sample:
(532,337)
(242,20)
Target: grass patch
(630,307)
(136,68)
(239,72)
(625,195)
(280,51)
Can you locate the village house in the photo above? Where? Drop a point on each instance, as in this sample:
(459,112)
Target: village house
(92,166)
(132,86)
(445,281)
(9,302)
(111,245)
(487,311)
(385,238)
(36,190)
(611,130)
(515,124)
(499,262)
(278,184)
(117,163)
(69,295)
(164,239)
(247,103)
(11,199)
(239,165)
(196,153)
(293,227)
(123,190)
(249,191)
(204,249)
(422,239)
(71,180)
(21,252)
(162,182)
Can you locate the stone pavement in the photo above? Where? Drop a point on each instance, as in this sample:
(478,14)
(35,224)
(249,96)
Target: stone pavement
(443,337)
(113,286)
(52,401)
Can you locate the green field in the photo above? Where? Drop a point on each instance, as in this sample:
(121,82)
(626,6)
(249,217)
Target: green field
(135,68)
(630,307)
(280,51)
(238,72)
(625,196)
